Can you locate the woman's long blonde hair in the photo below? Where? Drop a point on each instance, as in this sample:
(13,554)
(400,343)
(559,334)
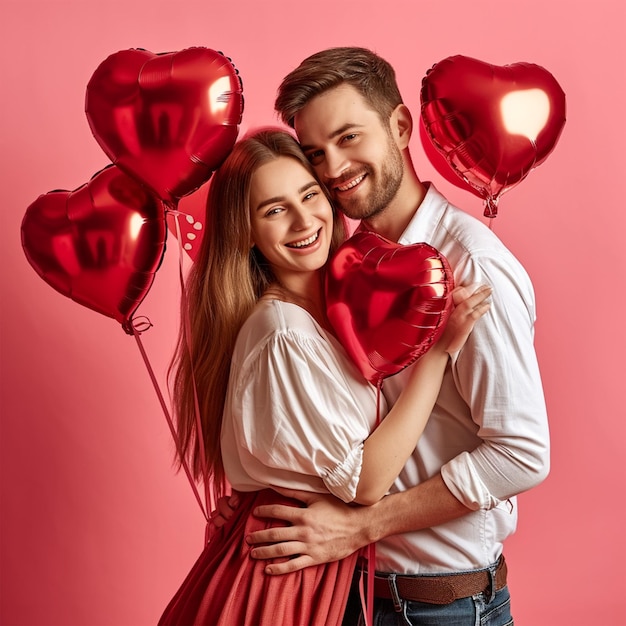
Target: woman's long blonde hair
(225,282)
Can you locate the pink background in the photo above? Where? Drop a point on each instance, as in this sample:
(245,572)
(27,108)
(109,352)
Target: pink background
(96,527)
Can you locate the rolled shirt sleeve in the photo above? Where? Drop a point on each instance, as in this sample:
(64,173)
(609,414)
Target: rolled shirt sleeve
(488,433)
(497,376)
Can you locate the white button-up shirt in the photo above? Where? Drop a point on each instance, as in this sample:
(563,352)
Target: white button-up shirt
(488,434)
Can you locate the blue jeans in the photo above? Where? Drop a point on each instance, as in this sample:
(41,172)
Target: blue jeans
(474,611)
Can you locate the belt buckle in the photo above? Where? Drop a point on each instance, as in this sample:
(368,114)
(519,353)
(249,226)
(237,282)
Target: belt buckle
(395,596)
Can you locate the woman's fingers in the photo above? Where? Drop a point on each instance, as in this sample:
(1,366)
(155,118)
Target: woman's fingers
(470,305)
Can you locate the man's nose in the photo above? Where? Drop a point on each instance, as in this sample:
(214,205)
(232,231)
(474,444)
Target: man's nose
(334,165)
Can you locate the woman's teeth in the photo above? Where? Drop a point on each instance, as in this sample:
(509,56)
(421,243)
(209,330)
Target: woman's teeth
(305,242)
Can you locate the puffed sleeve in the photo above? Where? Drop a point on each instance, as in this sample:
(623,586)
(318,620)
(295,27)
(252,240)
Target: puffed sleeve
(295,413)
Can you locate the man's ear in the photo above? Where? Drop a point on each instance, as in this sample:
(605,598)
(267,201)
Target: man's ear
(402,125)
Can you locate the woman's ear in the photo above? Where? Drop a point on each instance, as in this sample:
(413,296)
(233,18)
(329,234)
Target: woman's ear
(402,126)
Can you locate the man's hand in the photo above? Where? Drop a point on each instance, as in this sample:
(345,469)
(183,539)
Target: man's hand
(326,530)
(225,507)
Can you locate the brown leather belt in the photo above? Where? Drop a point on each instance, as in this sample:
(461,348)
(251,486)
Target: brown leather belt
(438,588)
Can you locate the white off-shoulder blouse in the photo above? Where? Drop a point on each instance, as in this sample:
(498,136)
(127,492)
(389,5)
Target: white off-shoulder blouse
(297,409)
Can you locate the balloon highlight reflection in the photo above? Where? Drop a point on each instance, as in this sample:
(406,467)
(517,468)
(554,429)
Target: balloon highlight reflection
(99,245)
(166,119)
(492,124)
(388,303)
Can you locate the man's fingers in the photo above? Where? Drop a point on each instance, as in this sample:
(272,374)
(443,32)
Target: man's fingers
(224,509)
(234,499)
(287,567)
(279,550)
(271,535)
(278,511)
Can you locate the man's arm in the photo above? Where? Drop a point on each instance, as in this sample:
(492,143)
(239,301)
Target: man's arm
(328,529)
(508,409)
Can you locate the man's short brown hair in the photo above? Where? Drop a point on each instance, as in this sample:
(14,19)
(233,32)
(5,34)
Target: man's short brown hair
(368,73)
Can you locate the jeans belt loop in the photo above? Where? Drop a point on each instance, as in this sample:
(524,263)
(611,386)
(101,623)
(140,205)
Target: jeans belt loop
(395,596)
(492,582)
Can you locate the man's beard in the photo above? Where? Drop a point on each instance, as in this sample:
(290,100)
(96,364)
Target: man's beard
(383,188)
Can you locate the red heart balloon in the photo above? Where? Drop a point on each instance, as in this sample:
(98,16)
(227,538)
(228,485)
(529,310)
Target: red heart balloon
(492,124)
(167,119)
(387,303)
(100,244)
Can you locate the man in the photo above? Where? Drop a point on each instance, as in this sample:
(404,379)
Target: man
(439,534)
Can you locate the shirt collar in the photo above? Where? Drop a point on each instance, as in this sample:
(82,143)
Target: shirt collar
(427,217)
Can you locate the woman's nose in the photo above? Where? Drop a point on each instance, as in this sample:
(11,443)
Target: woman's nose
(302,218)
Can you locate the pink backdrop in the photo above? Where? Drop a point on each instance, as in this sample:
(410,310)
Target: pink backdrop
(96,527)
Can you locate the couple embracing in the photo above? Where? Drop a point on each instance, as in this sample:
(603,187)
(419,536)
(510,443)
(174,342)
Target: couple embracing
(464,429)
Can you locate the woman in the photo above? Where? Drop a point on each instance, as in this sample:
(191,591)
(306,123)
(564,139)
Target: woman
(280,402)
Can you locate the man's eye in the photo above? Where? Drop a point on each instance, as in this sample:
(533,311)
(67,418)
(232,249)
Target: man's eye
(315,157)
(349,137)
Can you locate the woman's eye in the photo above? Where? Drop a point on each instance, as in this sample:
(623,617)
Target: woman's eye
(310,195)
(274,211)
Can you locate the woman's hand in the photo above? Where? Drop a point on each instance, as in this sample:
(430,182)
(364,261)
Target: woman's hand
(393,441)
(470,304)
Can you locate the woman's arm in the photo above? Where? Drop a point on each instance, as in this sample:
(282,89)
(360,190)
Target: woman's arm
(389,446)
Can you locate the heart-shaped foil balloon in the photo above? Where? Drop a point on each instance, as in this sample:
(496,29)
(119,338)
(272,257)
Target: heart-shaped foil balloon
(387,303)
(492,124)
(167,119)
(100,244)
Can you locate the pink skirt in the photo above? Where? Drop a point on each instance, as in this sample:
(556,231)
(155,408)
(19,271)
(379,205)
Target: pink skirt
(226,587)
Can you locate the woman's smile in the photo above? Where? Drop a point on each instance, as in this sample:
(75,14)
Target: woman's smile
(305,243)
(291,219)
